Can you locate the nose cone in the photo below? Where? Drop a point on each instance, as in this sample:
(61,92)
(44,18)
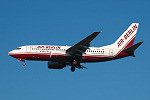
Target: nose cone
(10,53)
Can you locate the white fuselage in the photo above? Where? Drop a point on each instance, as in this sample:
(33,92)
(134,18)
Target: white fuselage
(60,56)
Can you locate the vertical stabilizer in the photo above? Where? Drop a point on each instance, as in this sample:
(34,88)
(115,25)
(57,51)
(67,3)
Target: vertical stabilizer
(126,39)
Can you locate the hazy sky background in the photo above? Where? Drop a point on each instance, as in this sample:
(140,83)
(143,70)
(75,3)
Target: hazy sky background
(66,22)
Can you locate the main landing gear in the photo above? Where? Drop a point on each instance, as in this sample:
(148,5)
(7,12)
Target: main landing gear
(72,68)
(73,65)
(76,64)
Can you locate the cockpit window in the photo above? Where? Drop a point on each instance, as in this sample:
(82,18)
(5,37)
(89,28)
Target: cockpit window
(18,48)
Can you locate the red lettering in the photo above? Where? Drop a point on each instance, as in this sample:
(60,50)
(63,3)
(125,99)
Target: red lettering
(134,27)
(120,42)
(52,47)
(59,47)
(125,36)
(130,31)
(40,47)
(128,34)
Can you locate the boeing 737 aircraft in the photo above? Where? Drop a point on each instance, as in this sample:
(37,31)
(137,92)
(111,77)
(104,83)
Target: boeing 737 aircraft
(59,57)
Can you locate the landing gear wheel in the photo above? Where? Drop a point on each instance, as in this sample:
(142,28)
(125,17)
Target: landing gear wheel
(72,68)
(24,64)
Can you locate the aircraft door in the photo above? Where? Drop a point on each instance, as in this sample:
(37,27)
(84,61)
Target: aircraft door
(50,54)
(28,49)
(110,52)
(53,54)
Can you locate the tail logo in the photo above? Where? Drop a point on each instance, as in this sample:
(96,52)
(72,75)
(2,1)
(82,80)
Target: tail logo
(127,35)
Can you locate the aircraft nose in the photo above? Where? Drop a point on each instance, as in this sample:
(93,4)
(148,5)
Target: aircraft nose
(10,53)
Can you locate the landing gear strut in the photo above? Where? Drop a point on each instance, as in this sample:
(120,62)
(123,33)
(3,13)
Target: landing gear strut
(20,59)
(72,68)
(24,63)
(73,65)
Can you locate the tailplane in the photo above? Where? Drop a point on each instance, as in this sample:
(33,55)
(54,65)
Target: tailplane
(130,50)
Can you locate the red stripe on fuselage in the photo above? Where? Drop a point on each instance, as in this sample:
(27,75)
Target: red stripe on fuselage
(58,57)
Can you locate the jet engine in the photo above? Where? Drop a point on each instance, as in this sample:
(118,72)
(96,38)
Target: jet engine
(56,65)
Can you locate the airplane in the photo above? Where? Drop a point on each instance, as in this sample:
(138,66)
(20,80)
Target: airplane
(59,57)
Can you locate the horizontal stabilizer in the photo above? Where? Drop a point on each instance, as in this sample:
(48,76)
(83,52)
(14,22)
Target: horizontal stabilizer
(130,50)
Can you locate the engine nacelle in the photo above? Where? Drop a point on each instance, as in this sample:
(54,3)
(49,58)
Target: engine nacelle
(56,65)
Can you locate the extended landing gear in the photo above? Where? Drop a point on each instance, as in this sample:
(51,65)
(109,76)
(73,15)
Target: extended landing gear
(73,65)
(72,68)
(20,59)
(76,64)
(24,63)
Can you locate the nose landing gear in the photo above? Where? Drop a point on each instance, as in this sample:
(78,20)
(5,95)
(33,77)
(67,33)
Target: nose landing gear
(24,63)
(20,59)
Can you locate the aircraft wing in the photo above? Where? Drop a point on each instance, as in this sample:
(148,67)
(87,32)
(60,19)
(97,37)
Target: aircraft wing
(78,49)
